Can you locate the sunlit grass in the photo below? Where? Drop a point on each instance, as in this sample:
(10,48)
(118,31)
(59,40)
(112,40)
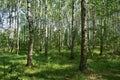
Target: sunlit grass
(97,51)
(57,66)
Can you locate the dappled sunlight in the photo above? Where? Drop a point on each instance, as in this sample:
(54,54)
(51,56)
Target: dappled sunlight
(58,66)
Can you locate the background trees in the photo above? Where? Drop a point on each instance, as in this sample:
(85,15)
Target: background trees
(60,22)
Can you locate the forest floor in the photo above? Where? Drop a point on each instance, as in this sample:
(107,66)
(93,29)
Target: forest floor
(57,66)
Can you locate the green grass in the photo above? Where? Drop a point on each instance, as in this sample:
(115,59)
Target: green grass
(57,66)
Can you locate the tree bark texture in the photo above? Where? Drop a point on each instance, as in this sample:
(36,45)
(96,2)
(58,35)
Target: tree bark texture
(83,62)
(31,33)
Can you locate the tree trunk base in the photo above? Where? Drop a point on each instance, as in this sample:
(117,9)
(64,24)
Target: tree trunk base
(72,57)
(29,65)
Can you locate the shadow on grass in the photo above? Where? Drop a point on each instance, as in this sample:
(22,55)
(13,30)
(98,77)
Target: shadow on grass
(57,66)
(55,57)
(65,69)
(108,68)
(15,66)
(9,63)
(55,74)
